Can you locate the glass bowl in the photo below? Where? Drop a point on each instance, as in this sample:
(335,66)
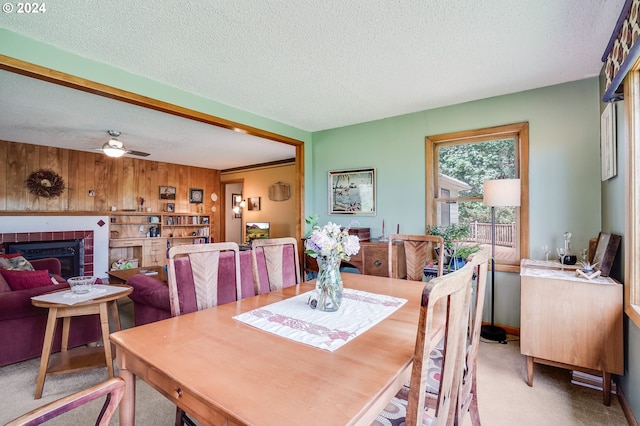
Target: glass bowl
(81,285)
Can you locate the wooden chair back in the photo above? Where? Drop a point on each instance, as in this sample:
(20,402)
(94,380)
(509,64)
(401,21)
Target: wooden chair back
(447,295)
(468,400)
(276,264)
(416,253)
(204,262)
(112,388)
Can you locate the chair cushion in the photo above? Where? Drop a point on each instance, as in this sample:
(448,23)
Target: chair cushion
(18,263)
(22,280)
(395,413)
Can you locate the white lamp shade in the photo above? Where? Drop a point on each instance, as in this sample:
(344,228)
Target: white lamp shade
(502,192)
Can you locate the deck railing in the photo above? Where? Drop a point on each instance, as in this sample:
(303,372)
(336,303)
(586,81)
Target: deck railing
(505,233)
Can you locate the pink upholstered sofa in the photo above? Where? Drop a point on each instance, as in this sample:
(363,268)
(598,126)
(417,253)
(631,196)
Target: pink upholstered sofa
(22,325)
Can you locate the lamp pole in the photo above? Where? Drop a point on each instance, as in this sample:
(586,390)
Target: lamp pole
(498,192)
(491,332)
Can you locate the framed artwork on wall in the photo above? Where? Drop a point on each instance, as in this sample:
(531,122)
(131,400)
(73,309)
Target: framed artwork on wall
(170,207)
(196,195)
(253,203)
(608,142)
(352,192)
(167,193)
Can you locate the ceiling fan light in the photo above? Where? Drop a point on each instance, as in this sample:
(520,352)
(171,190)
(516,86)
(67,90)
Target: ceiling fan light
(113,151)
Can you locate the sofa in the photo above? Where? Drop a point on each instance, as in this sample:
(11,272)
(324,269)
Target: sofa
(22,325)
(151,297)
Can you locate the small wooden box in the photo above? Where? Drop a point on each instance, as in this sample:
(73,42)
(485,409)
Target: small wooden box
(364,234)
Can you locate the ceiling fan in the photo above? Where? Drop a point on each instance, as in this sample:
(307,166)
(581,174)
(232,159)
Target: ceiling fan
(115,148)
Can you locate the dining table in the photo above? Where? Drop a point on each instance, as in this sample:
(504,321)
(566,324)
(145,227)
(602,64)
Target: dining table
(221,370)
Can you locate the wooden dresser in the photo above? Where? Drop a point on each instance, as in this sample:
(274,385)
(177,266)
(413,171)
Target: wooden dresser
(372,259)
(570,322)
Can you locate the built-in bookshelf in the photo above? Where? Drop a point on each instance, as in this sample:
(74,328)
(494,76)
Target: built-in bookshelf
(147,236)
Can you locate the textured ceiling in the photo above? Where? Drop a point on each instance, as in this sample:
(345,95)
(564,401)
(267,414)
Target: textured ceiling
(325,64)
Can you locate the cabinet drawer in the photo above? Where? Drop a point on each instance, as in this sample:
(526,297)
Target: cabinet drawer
(184,398)
(375,260)
(125,243)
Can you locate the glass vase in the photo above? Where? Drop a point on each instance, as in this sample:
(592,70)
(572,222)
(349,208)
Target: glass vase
(329,284)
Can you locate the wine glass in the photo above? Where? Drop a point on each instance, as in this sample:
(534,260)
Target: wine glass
(547,251)
(562,253)
(585,254)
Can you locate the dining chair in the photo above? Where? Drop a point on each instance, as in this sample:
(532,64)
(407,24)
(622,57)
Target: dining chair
(198,271)
(112,388)
(468,400)
(416,253)
(444,313)
(276,264)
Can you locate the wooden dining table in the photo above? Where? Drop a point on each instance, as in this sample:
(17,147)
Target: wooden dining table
(222,371)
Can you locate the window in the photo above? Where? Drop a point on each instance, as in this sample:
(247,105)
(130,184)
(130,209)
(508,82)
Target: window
(457,166)
(632,225)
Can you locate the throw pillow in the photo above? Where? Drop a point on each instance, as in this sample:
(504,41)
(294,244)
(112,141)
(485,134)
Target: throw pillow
(22,280)
(10,255)
(16,263)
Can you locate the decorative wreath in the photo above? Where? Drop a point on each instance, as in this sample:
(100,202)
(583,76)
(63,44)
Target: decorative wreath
(45,183)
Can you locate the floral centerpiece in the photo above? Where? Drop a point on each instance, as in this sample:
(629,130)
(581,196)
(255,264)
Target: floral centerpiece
(329,245)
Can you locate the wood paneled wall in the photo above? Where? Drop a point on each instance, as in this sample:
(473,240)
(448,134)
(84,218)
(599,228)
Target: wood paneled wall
(116,182)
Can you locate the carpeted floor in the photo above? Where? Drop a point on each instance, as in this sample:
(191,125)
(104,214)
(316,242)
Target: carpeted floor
(506,400)
(504,397)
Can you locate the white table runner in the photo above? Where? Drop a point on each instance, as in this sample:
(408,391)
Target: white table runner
(293,319)
(70,298)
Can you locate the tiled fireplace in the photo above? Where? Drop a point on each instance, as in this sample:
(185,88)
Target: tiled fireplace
(83,237)
(91,231)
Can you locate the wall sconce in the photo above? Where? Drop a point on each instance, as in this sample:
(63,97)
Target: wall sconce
(238,203)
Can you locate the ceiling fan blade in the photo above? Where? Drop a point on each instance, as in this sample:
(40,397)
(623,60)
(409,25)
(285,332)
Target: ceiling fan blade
(139,153)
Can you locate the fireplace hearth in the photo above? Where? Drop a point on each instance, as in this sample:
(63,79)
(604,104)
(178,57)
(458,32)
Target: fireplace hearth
(69,252)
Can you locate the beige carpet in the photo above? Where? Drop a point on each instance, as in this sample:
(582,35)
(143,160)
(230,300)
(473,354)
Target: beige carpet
(505,399)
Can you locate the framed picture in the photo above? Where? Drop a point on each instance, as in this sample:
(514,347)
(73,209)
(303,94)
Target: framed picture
(196,195)
(236,199)
(606,250)
(170,207)
(608,142)
(352,192)
(253,203)
(167,193)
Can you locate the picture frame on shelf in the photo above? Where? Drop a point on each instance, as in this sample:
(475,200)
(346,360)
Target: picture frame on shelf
(253,203)
(352,192)
(196,196)
(606,250)
(608,150)
(170,207)
(167,192)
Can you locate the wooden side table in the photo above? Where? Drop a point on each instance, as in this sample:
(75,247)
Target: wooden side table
(81,358)
(121,276)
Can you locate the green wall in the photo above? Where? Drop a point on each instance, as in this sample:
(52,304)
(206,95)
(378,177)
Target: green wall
(613,217)
(564,167)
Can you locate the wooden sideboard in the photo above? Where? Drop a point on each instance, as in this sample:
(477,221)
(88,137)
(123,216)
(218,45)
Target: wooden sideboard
(571,322)
(372,259)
